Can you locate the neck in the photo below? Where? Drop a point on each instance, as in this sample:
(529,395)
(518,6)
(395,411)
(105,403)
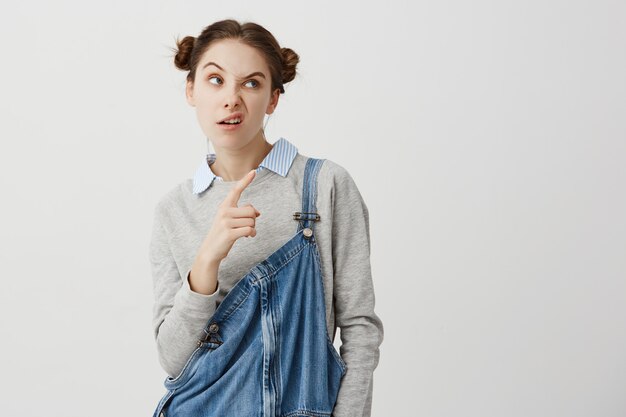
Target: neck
(234,164)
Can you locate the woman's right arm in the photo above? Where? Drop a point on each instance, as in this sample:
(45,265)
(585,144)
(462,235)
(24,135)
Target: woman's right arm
(179,313)
(182,309)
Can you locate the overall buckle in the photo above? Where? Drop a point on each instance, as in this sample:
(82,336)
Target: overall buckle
(298,215)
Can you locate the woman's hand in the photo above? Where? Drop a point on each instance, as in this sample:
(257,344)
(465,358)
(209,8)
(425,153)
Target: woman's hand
(230,223)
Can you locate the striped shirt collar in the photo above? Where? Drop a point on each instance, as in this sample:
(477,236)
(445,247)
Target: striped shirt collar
(278,160)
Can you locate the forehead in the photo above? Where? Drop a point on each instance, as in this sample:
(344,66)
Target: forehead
(234,57)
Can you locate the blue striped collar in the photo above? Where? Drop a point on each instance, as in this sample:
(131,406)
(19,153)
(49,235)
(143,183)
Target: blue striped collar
(278,160)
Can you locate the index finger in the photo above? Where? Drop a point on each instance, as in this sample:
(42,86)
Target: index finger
(235,193)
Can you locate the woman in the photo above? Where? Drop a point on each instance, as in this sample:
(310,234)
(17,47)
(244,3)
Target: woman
(244,327)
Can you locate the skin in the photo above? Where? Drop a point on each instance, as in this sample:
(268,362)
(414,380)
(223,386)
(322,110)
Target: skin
(216,93)
(239,151)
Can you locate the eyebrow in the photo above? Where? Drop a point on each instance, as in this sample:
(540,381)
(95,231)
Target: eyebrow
(259,73)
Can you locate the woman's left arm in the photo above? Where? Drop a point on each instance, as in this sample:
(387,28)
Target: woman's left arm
(361,329)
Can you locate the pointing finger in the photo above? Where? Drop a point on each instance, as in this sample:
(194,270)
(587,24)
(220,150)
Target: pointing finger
(235,193)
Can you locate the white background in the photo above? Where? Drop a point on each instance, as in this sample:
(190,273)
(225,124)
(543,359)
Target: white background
(488,139)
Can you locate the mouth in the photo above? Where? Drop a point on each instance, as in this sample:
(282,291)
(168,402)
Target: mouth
(233,119)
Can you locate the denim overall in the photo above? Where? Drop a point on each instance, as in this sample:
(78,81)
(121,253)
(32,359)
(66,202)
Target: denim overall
(266,351)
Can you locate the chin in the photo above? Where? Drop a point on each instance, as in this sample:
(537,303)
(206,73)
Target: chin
(230,140)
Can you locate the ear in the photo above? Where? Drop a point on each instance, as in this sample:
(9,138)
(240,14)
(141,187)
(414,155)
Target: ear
(273,102)
(189,94)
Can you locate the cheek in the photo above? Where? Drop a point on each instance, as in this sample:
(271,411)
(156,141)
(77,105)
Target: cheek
(205,99)
(260,106)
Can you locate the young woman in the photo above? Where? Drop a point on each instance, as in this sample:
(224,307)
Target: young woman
(244,327)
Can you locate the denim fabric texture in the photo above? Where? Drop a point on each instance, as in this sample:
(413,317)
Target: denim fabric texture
(266,350)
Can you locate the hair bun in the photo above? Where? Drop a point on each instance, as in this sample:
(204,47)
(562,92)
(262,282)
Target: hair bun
(183,52)
(290,62)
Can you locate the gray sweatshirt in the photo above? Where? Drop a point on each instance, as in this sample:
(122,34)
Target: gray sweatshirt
(182,220)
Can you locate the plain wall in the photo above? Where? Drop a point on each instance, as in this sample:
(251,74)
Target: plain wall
(488,139)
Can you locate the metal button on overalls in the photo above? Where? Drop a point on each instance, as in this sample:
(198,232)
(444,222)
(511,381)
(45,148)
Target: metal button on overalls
(274,356)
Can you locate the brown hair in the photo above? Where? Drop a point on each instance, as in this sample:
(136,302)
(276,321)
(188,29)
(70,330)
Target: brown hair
(282,62)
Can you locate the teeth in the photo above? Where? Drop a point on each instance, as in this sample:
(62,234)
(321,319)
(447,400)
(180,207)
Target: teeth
(232,121)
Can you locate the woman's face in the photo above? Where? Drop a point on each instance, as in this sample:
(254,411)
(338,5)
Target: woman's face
(232,77)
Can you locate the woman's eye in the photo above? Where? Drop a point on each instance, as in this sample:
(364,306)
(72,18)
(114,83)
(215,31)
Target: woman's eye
(210,78)
(252,81)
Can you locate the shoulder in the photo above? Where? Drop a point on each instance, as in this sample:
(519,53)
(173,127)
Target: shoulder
(171,198)
(329,174)
(335,176)
(335,184)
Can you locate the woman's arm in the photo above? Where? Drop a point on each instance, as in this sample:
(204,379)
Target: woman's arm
(179,314)
(361,329)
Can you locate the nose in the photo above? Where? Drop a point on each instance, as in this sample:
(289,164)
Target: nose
(233,98)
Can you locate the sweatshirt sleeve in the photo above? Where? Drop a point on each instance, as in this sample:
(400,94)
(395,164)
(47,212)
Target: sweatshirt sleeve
(361,329)
(179,314)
